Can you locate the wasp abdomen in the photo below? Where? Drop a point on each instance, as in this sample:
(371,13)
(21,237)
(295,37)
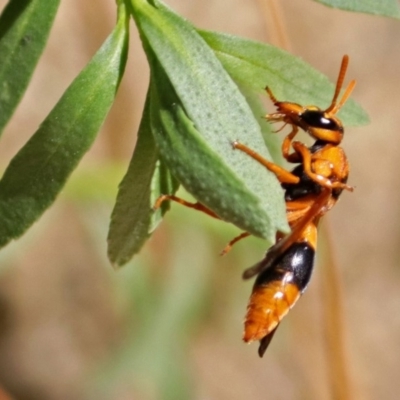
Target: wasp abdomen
(277,289)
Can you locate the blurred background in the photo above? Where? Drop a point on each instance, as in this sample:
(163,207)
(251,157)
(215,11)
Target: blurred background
(169,324)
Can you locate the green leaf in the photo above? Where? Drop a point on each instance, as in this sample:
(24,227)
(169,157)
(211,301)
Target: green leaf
(386,8)
(181,145)
(133,219)
(208,112)
(272,141)
(40,169)
(24,28)
(256,65)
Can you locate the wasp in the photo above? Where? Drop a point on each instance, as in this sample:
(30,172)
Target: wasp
(311,189)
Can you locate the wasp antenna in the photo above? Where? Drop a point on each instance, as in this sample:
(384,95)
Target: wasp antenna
(333,108)
(271,95)
(343,100)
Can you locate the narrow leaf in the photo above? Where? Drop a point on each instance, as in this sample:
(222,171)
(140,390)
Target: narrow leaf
(210,113)
(133,219)
(182,146)
(272,141)
(256,65)
(386,8)
(24,28)
(40,169)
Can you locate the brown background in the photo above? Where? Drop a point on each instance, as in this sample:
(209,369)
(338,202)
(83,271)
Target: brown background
(64,314)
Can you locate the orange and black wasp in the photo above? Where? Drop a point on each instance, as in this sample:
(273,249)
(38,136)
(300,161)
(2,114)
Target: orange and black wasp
(311,189)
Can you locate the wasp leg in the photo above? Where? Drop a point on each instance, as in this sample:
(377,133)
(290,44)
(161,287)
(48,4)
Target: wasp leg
(321,180)
(228,247)
(280,247)
(286,147)
(282,174)
(199,207)
(287,142)
(196,206)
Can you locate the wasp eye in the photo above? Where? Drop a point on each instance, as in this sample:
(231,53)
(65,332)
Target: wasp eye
(316,119)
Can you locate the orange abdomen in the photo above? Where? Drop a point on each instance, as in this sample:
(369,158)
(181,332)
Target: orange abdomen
(276,290)
(267,306)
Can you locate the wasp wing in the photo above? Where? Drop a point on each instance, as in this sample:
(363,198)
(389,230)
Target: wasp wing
(316,210)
